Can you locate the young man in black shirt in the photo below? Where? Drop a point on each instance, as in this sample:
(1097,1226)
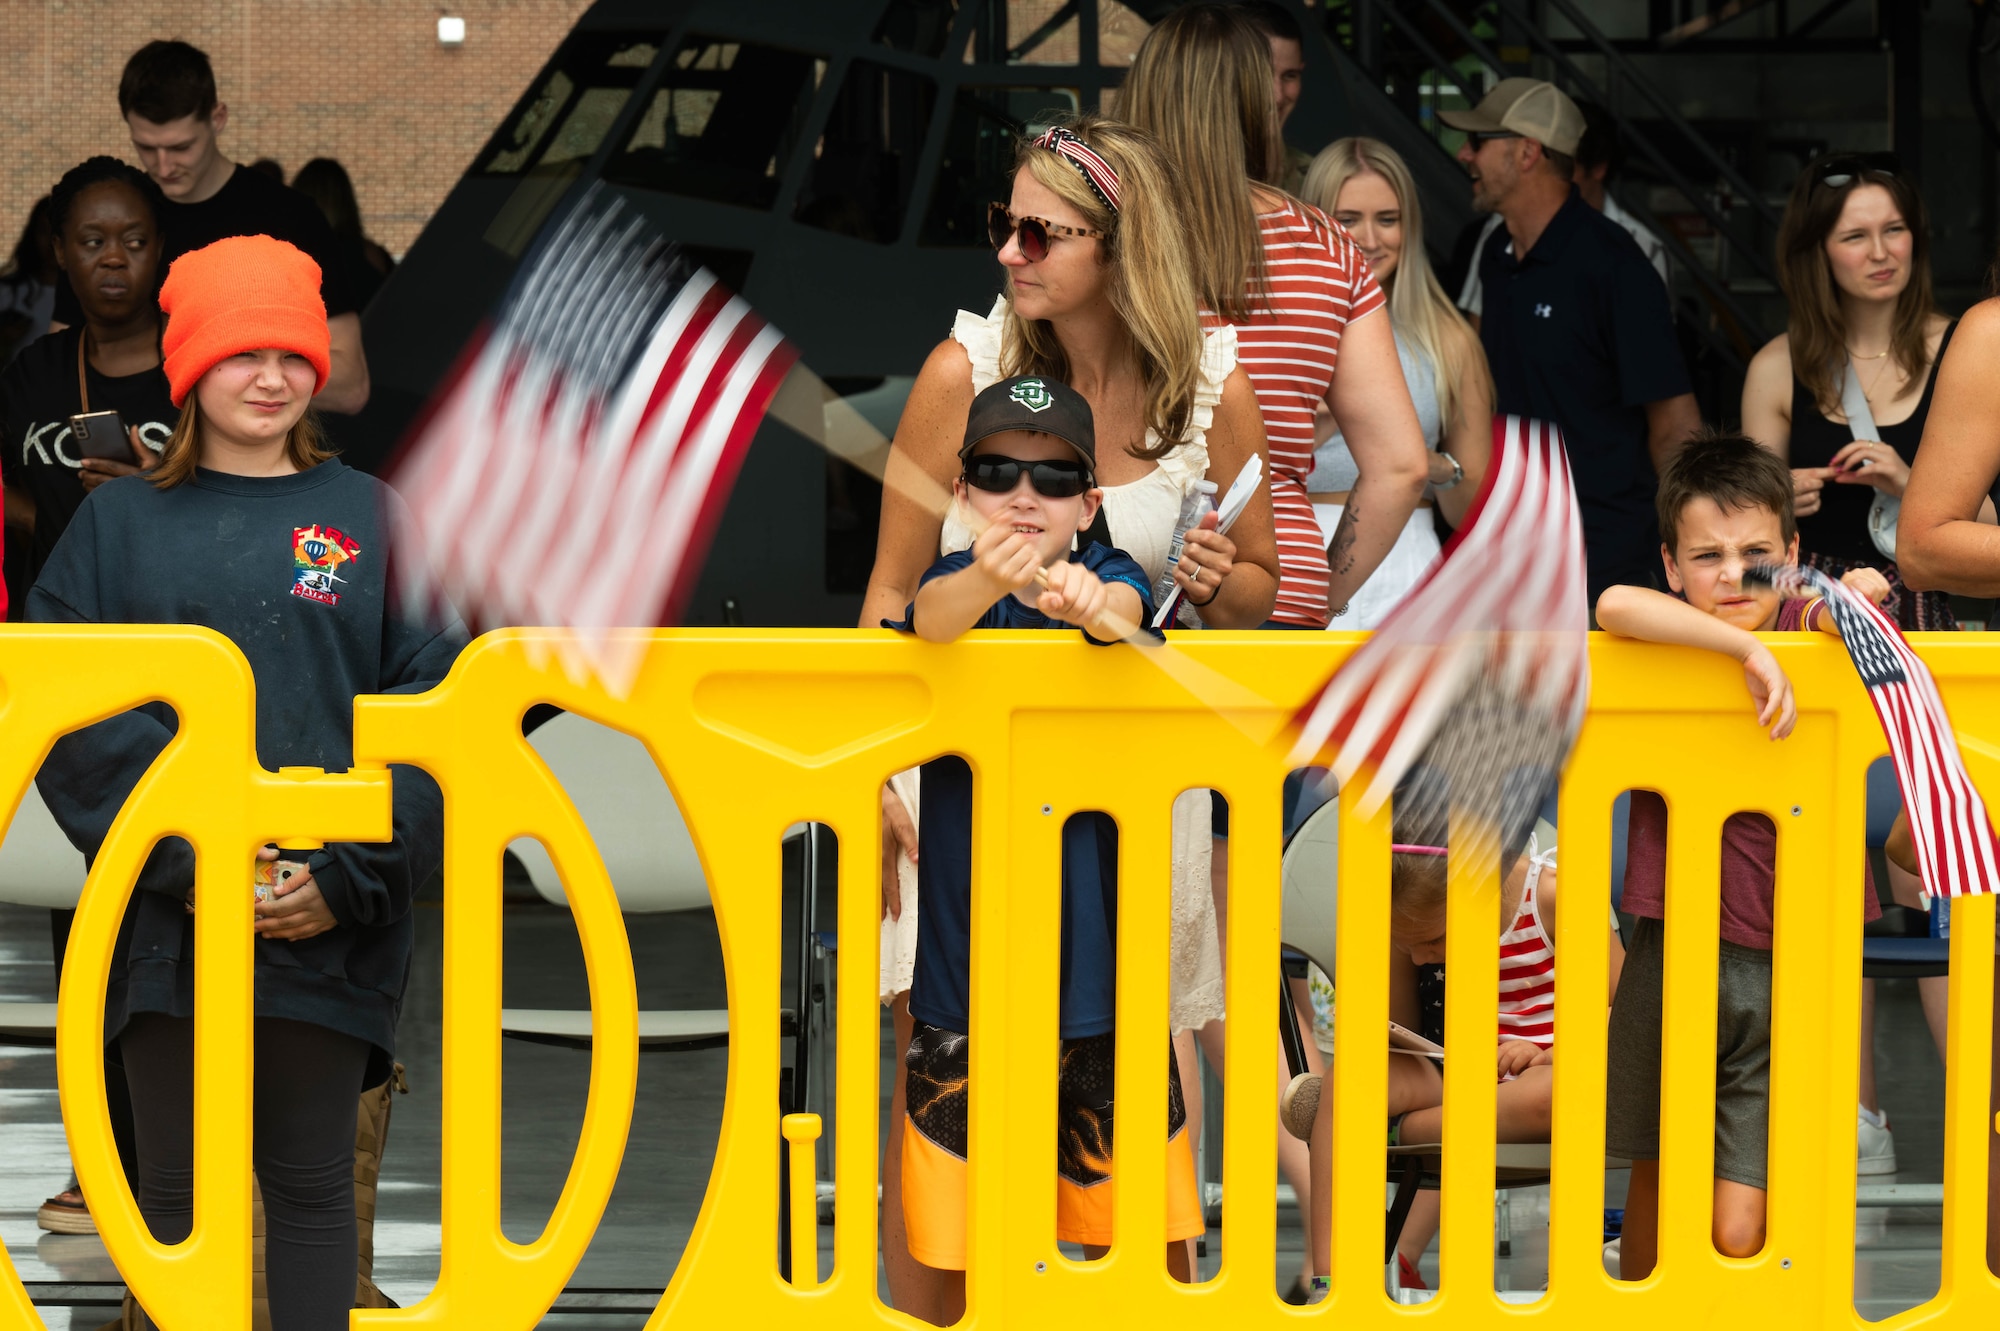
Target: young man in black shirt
(168,99)
(1576,323)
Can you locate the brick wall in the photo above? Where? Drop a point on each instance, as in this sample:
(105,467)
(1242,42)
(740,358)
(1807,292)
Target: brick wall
(364,81)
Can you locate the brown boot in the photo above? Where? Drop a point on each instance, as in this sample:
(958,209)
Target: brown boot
(371,1136)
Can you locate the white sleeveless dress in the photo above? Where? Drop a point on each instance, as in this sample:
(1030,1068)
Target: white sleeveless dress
(1141,515)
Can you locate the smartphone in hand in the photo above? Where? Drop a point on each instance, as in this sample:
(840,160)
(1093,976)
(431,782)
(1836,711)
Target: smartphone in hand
(101,435)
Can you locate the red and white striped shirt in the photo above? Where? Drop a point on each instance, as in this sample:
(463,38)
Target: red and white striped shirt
(1528,970)
(1290,348)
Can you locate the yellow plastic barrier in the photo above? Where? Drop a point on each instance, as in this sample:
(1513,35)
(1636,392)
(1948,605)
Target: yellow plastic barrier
(756,731)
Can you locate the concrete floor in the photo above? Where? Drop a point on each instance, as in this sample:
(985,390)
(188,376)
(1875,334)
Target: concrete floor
(678,1112)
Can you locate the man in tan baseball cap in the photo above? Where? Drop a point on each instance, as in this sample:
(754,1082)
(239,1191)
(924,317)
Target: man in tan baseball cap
(1575,323)
(1521,127)
(1529,108)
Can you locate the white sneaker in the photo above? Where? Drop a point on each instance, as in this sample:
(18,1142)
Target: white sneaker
(1877,1148)
(1613,1258)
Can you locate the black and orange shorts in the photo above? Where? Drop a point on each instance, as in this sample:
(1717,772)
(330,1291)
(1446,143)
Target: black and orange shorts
(938,1072)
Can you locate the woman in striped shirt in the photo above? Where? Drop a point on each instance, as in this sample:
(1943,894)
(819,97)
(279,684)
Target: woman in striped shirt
(1298,293)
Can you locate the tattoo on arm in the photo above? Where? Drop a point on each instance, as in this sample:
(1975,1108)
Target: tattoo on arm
(1340,550)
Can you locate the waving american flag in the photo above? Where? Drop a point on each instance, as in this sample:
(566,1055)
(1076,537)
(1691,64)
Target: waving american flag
(1480,678)
(573,470)
(1948,822)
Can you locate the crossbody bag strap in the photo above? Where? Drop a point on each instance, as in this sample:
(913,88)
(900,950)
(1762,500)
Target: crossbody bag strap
(1882,509)
(82,387)
(1860,417)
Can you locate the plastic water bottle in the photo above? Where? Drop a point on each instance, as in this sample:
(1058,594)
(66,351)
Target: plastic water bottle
(1195,505)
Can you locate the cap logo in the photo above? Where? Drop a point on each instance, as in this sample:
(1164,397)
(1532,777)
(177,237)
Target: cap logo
(1032,394)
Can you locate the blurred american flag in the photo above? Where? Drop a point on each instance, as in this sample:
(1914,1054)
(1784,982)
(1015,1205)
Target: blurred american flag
(1478,681)
(573,469)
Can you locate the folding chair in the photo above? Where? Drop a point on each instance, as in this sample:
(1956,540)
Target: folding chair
(38,867)
(651,861)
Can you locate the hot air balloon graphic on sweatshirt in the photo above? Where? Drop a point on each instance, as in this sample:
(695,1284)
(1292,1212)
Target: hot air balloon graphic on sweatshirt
(316,552)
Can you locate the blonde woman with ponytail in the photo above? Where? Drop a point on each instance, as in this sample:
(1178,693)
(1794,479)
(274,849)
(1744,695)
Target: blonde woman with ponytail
(1097,293)
(1365,187)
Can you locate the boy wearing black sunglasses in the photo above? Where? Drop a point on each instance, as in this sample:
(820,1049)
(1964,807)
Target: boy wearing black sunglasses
(1028,490)
(1030,449)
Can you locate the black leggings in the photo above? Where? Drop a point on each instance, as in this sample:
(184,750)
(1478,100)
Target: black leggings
(308,1084)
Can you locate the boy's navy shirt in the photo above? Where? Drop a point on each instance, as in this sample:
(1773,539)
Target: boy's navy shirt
(939,989)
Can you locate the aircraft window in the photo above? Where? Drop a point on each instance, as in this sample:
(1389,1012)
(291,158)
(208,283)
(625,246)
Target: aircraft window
(587,85)
(528,130)
(1042,32)
(865,163)
(588,122)
(1024,32)
(722,124)
(917,26)
(978,164)
(1120,33)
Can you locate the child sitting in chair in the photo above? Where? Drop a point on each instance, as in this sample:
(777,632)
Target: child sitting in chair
(1525,1036)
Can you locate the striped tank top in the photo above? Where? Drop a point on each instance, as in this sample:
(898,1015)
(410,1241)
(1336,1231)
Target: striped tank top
(1290,349)
(1528,965)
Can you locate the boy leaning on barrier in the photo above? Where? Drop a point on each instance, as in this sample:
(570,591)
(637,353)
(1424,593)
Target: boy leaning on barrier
(1724,503)
(1028,489)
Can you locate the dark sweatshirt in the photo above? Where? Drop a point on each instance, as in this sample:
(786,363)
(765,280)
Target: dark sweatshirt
(295,570)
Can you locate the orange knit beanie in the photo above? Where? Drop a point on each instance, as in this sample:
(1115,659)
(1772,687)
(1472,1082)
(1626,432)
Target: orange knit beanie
(241,294)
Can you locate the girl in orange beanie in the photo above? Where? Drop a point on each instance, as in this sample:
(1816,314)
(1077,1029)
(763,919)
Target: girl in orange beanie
(251,528)
(246,348)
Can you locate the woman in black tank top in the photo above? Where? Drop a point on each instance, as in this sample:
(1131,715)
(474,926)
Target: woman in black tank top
(1836,538)
(1853,256)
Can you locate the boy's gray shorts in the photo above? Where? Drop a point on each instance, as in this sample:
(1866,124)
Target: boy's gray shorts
(1742,1057)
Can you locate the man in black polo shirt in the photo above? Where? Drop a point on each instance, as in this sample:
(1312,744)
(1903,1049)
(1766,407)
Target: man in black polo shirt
(167,96)
(1576,323)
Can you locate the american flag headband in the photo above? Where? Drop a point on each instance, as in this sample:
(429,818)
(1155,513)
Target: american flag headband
(1097,172)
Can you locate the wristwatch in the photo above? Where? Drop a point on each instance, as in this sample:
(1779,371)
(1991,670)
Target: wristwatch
(1457,471)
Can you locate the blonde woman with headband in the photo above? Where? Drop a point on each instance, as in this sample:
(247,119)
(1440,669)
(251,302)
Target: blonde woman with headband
(1096,294)
(1367,188)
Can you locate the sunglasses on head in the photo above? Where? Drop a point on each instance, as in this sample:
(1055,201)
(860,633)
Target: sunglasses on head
(1842,171)
(1034,232)
(1052,478)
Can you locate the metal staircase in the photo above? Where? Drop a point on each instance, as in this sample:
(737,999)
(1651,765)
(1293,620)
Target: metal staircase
(1712,192)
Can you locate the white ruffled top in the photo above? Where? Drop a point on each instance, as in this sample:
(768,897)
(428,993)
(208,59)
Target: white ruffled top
(1141,513)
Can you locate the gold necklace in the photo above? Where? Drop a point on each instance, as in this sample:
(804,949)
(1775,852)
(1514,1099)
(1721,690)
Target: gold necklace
(1868,392)
(1877,356)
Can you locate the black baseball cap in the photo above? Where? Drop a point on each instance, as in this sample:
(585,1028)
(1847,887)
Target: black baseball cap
(1032,402)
